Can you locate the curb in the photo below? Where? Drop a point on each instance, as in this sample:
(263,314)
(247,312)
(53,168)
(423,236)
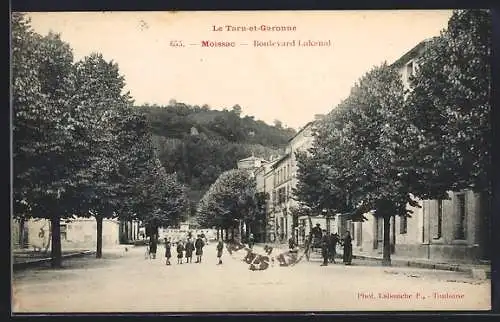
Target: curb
(36,262)
(473,271)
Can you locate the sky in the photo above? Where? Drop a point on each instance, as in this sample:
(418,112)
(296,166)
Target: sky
(290,83)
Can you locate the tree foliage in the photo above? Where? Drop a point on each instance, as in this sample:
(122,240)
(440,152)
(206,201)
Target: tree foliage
(377,150)
(449,105)
(230,198)
(79,147)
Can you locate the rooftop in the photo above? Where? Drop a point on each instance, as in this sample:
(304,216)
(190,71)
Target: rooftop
(412,53)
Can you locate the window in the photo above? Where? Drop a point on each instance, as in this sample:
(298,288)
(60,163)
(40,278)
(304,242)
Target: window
(461,227)
(439,231)
(403,224)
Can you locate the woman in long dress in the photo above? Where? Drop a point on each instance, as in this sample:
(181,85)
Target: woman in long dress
(347,243)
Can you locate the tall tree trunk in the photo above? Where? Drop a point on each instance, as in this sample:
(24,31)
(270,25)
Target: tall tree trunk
(393,235)
(386,261)
(56,252)
(21,232)
(98,253)
(125,232)
(218,233)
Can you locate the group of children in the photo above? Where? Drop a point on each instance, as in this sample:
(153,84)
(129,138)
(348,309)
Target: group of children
(185,250)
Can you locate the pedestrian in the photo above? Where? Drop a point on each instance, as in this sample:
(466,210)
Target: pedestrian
(168,252)
(250,241)
(316,236)
(332,246)
(347,243)
(189,248)
(198,245)
(153,243)
(324,249)
(147,254)
(220,248)
(180,251)
(204,237)
(291,244)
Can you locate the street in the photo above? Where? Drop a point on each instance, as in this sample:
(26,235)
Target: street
(127,282)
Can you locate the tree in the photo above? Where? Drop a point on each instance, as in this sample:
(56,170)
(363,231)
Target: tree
(354,167)
(45,140)
(230,199)
(101,104)
(449,104)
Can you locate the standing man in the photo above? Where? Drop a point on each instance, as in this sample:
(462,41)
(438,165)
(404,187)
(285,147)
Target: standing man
(324,249)
(153,243)
(334,240)
(220,248)
(189,251)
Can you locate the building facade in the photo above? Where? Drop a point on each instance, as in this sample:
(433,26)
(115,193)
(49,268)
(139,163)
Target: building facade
(450,230)
(78,233)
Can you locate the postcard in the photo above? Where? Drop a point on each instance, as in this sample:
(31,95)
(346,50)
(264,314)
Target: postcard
(251,161)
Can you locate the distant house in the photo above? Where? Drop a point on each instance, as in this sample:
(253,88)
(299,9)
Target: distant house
(194,131)
(251,163)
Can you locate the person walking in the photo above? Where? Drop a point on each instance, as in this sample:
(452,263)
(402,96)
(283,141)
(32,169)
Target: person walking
(198,245)
(347,243)
(180,251)
(220,248)
(168,252)
(324,249)
(332,246)
(292,244)
(189,251)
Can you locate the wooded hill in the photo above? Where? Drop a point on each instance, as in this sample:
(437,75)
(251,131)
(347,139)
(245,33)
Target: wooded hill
(199,143)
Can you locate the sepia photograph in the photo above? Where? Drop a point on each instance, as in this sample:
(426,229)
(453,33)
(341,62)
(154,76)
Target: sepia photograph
(251,161)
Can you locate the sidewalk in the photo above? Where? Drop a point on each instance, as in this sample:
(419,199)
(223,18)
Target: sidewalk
(480,271)
(28,258)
